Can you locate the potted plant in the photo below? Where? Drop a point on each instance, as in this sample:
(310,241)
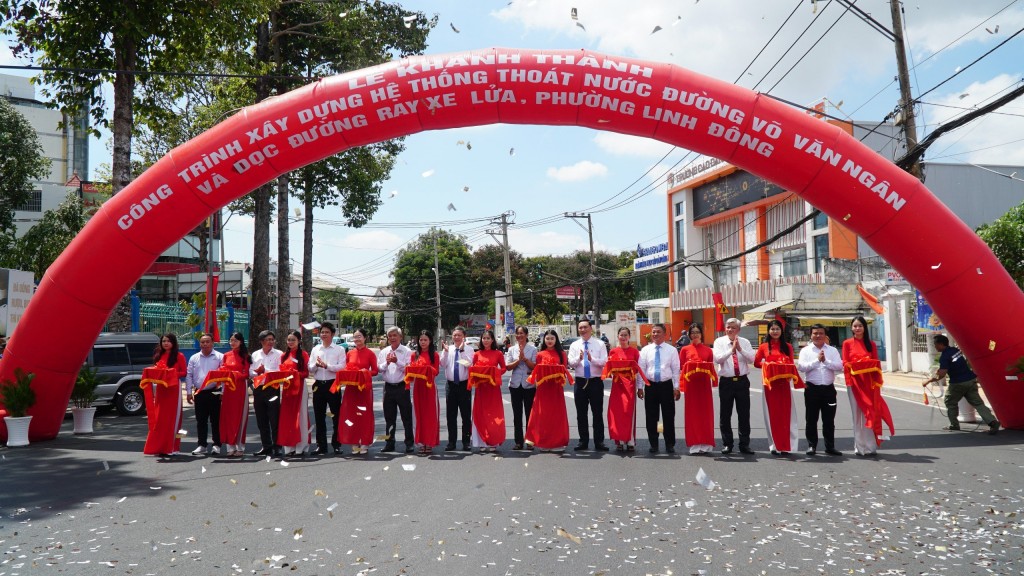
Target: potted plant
(17,397)
(82,396)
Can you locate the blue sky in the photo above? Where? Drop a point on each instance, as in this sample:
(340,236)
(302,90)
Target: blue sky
(558,169)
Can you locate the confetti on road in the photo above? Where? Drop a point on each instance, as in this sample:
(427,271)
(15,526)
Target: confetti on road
(704,480)
(411,467)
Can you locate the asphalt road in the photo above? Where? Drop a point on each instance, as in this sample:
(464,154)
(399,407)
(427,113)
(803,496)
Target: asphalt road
(933,502)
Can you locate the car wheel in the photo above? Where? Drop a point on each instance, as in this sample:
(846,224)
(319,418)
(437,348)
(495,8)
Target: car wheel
(129,400)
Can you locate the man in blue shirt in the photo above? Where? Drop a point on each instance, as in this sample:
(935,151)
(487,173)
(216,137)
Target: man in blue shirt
(963,383)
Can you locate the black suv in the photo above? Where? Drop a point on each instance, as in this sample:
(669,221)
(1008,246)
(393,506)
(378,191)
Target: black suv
(119,357)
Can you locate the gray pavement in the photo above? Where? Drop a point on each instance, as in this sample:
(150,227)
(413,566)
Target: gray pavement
(933,502)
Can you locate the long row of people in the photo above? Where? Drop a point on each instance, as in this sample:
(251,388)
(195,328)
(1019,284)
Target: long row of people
(342,392)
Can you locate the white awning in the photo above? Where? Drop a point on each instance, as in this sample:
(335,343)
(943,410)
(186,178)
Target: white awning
(765,312)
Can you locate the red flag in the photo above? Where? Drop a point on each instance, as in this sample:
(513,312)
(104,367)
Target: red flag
(720,312)
(211,309)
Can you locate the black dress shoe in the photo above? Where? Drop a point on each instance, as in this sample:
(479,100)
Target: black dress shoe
(601,447)
(449,447)
(653,449)
(776,452)
(465,447)
(388,448)
(833,452)
(745,450)
(337,450)
(580,446)
(727,450)
(319,452)
(811,451)
(409,449)
(517,447)
(263,452)
(670,449)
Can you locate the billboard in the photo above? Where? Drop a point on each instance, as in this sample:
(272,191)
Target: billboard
(16,288)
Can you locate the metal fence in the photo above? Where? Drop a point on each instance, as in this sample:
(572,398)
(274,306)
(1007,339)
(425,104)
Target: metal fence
(164,318)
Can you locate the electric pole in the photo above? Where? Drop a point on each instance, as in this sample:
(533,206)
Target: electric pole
(507,260)
(437,287)
(593,266)
(903,74)
(716,285)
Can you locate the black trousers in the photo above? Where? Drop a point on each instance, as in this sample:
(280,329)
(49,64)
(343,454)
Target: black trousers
(660,397)
(397,399)
(734,390)
(589,392)
(456,401)
(323,399)
(522,399)
(820,400)
(266,403)
(207,414)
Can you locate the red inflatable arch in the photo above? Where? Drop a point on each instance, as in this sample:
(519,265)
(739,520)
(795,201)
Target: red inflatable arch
(891,210)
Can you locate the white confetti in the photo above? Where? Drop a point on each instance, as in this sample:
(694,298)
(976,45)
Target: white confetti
(409,20)
(361,408)
(156,487)
(408,467)
(348,422)
(105,465)
(123,498)
(284,463)
(368,478)
(936,267)
(704,480)
(203,471)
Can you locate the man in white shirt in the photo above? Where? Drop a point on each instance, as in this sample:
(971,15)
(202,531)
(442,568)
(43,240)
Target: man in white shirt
(734,356)
(660,363)
(587,357)
(520,359)
(457,358)
(820,363)
(206,398)
(391,361)
(266,400)
(326,359)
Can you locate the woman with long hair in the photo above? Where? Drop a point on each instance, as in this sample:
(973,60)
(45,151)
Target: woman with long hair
(234,400)
(356,421)
(697,376)
(548,428)
(864,387)
(778,372)
(162,389)
(622,398)
(293,422)
(488,408)
(421,374)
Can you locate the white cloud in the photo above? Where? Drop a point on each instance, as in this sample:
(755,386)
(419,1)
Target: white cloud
(629,145)
(983,141)
(582,170)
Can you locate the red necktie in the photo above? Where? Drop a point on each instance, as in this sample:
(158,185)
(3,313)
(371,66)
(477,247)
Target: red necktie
(735,364)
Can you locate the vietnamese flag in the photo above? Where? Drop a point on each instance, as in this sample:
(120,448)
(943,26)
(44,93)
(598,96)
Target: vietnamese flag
(720,312)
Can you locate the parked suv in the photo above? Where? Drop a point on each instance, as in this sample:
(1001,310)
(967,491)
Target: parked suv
(119,358)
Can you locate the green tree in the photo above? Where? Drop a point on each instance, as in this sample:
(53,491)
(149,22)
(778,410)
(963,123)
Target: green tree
(337,298)
(21,162)
(1005,236)
(74,39)
(414,284)
(44,242)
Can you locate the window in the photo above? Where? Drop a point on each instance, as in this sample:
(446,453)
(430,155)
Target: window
(142,353)
(820,252)
(794,262)
(729,272)
(820,221)
(34,203)
(110,356)
(680,237)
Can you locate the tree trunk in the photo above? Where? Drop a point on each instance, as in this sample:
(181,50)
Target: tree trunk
(259,305)
(124,114)
(284,268)
(307,266)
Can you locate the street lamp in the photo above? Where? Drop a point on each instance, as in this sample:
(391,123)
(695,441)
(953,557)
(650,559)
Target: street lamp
(530,290)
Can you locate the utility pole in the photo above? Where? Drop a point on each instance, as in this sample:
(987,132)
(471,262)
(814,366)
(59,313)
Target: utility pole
(437,287)
(716,285)
(507,258)
(593,269)
(903,74)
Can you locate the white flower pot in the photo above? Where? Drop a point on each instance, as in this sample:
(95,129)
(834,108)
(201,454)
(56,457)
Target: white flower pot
(17,430)
(83,419)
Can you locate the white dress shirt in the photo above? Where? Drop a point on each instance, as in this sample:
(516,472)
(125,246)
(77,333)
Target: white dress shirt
(448,359)
(199,365)
(598,356)
(333,356)
(521,371)
(816,372)
(394,372)
(669,362)
(271,361)
(723,356)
